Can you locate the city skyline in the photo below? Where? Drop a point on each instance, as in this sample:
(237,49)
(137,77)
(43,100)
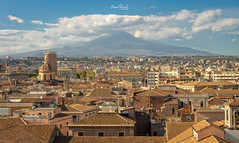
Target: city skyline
(210,26)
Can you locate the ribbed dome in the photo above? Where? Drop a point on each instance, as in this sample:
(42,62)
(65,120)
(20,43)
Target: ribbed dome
(46,68)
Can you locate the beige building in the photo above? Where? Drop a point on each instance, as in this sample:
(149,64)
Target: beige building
(66,72)
(79,111)
(224,75)
(152,79)
(197,86)
(103,125)
(209,115)
(48,70)
(170,108)
(200,132)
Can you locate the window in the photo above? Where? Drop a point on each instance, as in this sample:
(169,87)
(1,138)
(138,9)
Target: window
(226,115)
(173,112)
(60,126)
(80,133)
(155,134)
(100,134)
(121,134)
(49,115)
(181,104)
(66,123)
(201,103)
(188,118)
(74,118)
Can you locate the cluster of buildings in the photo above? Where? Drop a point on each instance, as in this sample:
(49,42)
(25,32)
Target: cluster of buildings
(178,101)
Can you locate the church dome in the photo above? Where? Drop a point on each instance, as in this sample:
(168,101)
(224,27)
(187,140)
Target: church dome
(46,68)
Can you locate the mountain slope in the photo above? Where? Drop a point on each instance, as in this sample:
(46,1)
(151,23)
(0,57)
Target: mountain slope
(119,44)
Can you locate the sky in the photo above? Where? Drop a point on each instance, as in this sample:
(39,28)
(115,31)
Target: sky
(207,25)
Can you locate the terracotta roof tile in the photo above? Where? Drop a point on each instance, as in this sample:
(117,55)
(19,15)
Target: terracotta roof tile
(101,92)
(87,99)
(80,107)
(175,128)
(42,131)
(20,135)
(153,92)
(213,139)
(233,103)
(194,83)
(215,83)
(8,122)
(219,123)
(172,102)
(200,125)
(188,133)
(106,119)
(27,99)
(133,90)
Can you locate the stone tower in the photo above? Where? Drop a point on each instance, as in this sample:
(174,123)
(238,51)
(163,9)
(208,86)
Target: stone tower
(51,59)
(48,70)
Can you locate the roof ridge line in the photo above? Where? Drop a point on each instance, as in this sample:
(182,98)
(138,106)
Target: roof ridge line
(158,92)
(123,118)
(23,121)
(73,106)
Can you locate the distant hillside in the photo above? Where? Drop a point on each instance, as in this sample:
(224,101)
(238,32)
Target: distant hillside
(120,44)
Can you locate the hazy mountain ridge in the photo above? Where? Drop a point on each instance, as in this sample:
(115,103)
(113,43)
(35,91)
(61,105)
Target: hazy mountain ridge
(119,44)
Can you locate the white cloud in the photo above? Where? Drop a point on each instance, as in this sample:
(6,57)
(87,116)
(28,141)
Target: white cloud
(73,31)
(12,18)
(37,22)
(10,32)
(234,39)
(207,17)
(212,20)
(234,33)
(184,15)
(225,24)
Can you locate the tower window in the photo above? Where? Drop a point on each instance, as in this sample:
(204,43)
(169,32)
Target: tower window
(201,104)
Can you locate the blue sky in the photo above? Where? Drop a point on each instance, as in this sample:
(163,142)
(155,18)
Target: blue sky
(208,25)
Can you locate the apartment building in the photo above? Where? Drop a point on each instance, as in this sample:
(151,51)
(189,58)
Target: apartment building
(224,76)
(153,79)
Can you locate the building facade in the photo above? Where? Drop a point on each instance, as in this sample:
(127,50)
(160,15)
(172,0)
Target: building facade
(103,125)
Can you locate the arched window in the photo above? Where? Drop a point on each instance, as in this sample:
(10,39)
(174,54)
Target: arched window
(201,104)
